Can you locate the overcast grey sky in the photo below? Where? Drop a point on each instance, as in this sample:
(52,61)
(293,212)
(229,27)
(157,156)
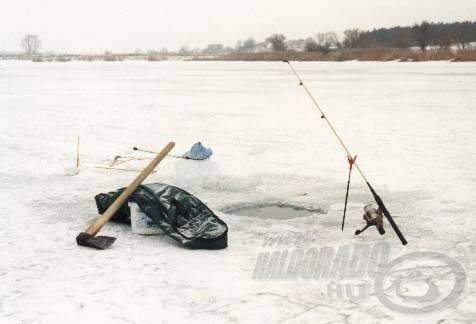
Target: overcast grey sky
(125,25)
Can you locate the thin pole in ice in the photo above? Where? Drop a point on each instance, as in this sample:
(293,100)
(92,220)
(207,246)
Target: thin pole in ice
(77,153)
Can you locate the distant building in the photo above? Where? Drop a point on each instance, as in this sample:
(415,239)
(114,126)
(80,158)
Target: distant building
(260,47)
(214,49)
(298,45)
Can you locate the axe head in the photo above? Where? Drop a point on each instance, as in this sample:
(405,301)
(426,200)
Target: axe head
(97,242)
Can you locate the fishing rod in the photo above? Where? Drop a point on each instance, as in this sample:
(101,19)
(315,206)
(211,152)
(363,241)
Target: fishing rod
(196,152)
(377,198)
(135,148)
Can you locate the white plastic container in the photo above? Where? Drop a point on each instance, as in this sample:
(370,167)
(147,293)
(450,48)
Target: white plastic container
(141,223)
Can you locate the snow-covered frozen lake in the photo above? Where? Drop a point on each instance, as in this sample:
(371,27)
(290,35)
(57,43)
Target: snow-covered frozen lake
(411,124)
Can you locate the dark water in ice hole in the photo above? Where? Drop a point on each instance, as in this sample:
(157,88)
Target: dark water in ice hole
(274,211)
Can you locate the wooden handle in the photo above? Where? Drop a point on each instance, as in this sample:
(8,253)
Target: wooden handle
(104,218)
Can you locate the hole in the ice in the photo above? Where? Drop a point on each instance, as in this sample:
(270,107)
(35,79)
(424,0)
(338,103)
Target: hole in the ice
(273,210)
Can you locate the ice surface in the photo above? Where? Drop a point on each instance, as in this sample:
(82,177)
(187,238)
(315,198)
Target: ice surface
(411,124)
(273,210)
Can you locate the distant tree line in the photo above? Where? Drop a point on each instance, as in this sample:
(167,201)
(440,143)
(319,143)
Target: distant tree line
(420,35)
(423,35)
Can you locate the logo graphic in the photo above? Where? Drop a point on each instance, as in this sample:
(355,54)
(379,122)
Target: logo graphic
(413,284)
(420,283)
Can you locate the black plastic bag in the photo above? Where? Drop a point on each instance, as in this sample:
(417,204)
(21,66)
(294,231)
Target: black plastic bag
(178,213)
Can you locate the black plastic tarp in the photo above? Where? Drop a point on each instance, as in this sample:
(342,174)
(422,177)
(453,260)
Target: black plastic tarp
(178,213)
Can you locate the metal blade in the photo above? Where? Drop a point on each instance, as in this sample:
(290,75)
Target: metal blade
(97,242)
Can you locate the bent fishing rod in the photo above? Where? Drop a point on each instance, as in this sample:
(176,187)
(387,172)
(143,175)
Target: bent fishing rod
(377,198)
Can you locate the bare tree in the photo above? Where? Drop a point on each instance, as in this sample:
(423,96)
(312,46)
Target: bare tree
(311,45)
(422,34)
(351,38)
(333,39)
(325,41)
(277,42)
(214,49)
(247,45)
(30,43)
(184,50)
(318,44)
